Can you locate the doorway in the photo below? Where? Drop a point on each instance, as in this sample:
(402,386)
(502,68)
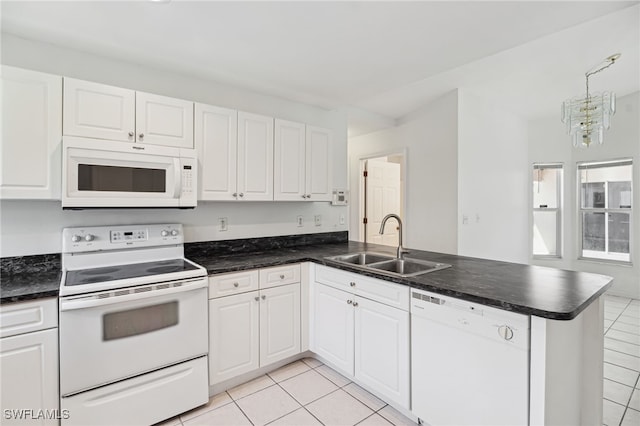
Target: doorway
(382,193)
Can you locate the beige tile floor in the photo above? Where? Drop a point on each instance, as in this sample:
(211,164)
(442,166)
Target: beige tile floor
(305,392)
(621,405)
(308,392)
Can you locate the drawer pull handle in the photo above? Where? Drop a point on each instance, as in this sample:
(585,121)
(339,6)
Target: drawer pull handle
(263,297)
(236,285)
(355,304)
(352,284)
(257,298)
(282,277)
(349,302)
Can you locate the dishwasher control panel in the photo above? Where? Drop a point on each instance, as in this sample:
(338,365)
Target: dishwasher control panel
(486,321)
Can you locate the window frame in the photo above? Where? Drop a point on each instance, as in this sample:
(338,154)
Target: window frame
(585,165)
(558,210)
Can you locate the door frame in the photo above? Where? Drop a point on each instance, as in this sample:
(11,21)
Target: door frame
(361,192)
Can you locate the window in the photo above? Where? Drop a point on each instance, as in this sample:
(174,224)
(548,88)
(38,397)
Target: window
(605,210)
(547,203)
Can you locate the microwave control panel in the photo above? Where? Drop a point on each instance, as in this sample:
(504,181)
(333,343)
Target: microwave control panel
(187,179)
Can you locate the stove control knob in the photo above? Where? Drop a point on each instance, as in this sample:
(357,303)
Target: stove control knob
(75,238)
(88,237)
(164,233)
(174,232)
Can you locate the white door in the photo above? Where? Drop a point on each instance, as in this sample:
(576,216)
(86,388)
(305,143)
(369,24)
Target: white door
(164,121)
(289,161)
(30,152)
(216,136)
(382,349)
(318,164)
(98,111)
(383,197)
(333,326)
(279,323)
(233,336)
(29,365)
(255,157)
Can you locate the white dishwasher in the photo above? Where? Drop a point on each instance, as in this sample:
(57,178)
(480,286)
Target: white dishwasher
(469,363)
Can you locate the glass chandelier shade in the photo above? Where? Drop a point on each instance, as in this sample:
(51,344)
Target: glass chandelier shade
(588,117)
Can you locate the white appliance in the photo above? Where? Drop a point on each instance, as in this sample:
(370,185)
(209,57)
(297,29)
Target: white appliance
(109,174)
(470,363)
(133,326)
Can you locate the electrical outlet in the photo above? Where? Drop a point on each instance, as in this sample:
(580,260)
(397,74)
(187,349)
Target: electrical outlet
(222,224)
(341,219)
(299,221)
(318,220)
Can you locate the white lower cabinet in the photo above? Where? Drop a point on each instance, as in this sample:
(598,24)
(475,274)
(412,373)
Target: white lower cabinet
(252,329)
(233,336)
(363,338)
(29,364)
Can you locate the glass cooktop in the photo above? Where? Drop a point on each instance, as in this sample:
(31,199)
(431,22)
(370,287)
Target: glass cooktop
(122,272)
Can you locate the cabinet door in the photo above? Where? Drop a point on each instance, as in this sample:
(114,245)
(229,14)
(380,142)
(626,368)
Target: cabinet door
(164,121)
(29,365)
(318,164)
(333,321)
(233,336)
(255,157)
(382,349)
(98,111)
(31,134)
(279,323)
(289,161)
(216,137)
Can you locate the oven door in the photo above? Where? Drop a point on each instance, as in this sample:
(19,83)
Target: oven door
(109,336)
(100,173)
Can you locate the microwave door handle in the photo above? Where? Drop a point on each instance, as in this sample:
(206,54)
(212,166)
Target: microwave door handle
(72,305)
(177,177)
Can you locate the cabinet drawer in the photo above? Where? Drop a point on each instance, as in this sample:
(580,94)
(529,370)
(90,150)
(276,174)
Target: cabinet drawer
(233,283)
(24,317)
(391,294)
(279,275)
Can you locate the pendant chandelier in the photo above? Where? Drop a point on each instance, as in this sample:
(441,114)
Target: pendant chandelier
(588,117)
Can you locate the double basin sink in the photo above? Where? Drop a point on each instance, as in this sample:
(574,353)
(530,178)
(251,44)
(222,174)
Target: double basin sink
(389,265)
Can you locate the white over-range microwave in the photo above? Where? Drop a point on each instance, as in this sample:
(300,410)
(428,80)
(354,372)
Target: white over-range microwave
(110,174)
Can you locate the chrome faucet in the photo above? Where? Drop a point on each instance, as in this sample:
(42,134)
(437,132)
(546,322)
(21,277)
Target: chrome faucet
(401,250)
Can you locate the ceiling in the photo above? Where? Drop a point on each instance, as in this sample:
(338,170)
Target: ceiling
(379,59)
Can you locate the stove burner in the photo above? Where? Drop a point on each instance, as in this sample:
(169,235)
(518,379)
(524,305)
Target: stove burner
(164,269)
(99,271)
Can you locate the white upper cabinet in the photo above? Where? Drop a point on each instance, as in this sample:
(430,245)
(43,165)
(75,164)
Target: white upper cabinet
(30,153)
(319,164)
(255,157)
(216,136)
(302,168)
(100,111)
(164,121)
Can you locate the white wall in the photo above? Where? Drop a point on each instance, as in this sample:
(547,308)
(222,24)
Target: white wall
(429,137)
(33,227)
(548,142)
(493,181)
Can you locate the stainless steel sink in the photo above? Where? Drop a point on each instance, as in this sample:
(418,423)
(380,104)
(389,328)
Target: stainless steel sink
(389,265)
(408,267)
(363,258)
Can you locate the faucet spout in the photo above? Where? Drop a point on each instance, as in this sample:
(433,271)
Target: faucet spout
(401,250)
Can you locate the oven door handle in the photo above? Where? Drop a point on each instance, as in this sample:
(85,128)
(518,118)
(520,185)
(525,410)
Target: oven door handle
(91,302)
(177,177)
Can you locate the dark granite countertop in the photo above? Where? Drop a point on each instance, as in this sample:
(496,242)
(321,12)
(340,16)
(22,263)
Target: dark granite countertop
(29,277)
(534,290)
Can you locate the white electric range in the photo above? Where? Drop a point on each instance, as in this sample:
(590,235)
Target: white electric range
(133,325)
